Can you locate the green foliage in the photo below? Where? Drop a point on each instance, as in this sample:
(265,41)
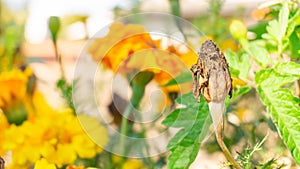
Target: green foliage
(280,102)
(276,82)
(66,92)
(238,63)
(194,120)
(11,37)
(246,157)
(281,32)
(259,54)
(185,76)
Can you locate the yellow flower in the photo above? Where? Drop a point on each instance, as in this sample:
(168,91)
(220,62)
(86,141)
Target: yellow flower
(15,92)
(238,82)
(133,164)
(43,164)
(229,44)
(238,29)
(3,126)
(79,167)
(55,135)
(12,86)
(95,133)
(75,167)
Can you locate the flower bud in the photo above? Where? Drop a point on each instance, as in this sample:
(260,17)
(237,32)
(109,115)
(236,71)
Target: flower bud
(238,29)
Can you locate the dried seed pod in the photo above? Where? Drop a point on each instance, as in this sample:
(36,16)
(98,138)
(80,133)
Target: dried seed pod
(211,74)
(1,163)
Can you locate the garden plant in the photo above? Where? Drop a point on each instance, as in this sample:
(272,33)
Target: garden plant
(157,90)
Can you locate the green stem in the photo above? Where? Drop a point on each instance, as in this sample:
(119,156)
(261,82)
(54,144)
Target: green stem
(59,59)
(175,9)
(138,85)
(124,125)
(219,137)
(138,92)
(279,48)
(149,161)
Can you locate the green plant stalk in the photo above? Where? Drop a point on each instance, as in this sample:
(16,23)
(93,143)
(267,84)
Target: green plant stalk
(59,59)
(138,85)
(219,137)
(175,9)
(124,125)
(217,112)
(280,48)
(225,149)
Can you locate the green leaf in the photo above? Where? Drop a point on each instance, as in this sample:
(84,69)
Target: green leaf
(194,119)
(259,54)
(185,76)
(269,78)
(274,29)
(283,19)
(288,68)
(187,99)
(259,29)
(280,102)
(290,28)
(284,108)
(239,63)
(240,91)
(294,45)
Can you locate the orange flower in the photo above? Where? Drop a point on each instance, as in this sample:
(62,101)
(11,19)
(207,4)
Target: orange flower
(130,48)
(121,41)
(260,14)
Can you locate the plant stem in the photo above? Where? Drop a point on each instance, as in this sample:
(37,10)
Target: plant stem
(219,136)
(217,111)
(59,59)
(124,125)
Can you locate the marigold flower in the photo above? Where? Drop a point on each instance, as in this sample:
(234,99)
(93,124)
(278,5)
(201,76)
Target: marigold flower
(130,48)
(12,86)
(133,164)
(43,164)
(55,135)
(121,41)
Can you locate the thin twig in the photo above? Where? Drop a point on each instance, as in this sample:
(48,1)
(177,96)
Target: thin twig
(219,137)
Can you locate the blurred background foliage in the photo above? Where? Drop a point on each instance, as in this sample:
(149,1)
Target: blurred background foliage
(263,41)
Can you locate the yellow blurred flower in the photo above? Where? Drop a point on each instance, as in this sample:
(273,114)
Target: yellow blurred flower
(15,93)
(43,164)
(12,86)
(133,164)
(79,167)
(238,29)
(3,126)
(238,82)
(129,163)
(55,135)
(75,167)
(229,44)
